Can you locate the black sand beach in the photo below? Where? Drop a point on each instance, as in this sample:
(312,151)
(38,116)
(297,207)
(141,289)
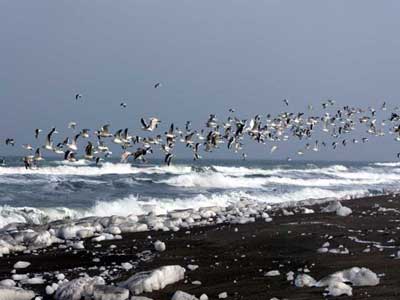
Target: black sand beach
(235,258)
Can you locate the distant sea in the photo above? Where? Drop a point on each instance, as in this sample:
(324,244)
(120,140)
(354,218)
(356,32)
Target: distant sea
(59,189)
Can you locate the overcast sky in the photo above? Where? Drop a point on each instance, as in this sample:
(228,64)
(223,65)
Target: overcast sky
(209,55)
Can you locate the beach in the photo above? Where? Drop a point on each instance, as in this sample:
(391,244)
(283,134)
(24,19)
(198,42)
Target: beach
(237,259)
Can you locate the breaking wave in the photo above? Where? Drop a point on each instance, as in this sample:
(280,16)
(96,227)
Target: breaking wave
(73,190)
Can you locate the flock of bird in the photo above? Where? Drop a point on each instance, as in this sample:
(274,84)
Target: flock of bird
(332,125)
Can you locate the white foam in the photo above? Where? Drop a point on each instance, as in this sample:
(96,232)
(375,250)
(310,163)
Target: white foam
(387,164)
(135,205)
(213,180)
(87,170)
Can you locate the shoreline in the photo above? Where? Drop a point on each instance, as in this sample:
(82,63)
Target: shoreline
(234,258)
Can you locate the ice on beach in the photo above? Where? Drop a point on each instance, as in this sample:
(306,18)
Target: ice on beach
(356,276)
(272,273)
(192,267)
(338,208)
(304,280)
(7,282)
(78,245)
(78,288)
(126,266)
(34,280)
(108,292)
(337,289)
(21,265)
(159,246)
(19,277)
(49,290)
(179,295)
(153,280)
(344,211)
(290,276)
(223,295)
(14,293)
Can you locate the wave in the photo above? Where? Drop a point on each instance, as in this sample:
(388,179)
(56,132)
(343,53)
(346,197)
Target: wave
(222,181)
(387,164)
(136,205)
(213,180)
(87,170)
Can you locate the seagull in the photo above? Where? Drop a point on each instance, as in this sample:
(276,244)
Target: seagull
(70,156)
(98,160)
(157,85)
(168,158)
(125,155)
(72,125)
(141,152)
(153,123)
(286,102)
(89,151)
(38,155)
(49,143)
(85,133)
(27,146)
(73,146)
(78,96)
(10,141)
(104,131)
(123,105)
(37,131)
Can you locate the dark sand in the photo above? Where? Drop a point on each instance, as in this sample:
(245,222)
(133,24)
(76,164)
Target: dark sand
(235,261)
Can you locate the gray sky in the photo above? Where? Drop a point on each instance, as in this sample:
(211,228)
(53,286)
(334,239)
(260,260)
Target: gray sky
(209,55)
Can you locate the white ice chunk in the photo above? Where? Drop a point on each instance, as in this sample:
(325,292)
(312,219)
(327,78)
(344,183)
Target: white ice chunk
(222,295)
(337,289)
(109,292)
(272,273)
(34,280)
(21,265)
(78,288)
(159,246)
(356,276)
(192,267)
(344,211)
(153,280)
(179,295)
(14,293)
(304,280)
(7,282)
(126,266)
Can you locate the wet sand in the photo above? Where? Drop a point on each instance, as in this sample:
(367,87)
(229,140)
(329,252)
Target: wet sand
(235,258)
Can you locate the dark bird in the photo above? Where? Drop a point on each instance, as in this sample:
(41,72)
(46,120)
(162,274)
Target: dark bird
(37,131)
(10,142)
(168,158)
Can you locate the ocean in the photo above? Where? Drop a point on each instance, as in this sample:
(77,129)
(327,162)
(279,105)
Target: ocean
(58,190)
